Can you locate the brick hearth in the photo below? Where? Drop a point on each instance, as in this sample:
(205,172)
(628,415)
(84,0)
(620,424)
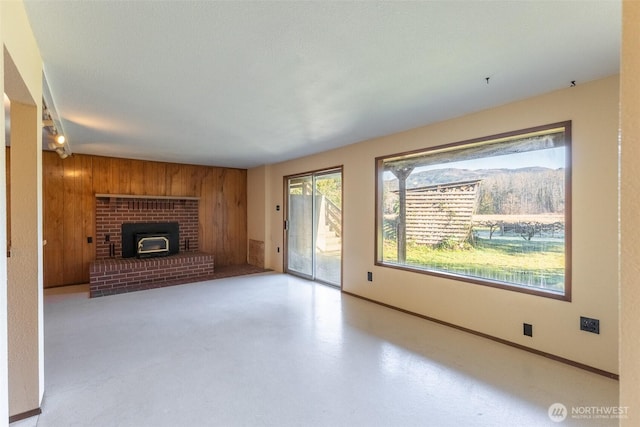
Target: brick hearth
(120,275)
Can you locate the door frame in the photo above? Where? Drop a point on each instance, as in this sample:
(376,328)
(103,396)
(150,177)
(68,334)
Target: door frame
(285,237)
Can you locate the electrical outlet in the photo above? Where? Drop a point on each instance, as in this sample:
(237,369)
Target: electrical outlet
(590,325)
(527,329)
(278,249)
(369,276)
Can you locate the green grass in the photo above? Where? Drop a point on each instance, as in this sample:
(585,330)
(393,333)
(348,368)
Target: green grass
(525,263)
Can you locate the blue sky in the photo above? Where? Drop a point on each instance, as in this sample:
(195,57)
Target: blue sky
(552,158)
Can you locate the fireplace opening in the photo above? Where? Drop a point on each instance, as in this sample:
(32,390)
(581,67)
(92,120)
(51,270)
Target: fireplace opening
(150,244)
(144,240)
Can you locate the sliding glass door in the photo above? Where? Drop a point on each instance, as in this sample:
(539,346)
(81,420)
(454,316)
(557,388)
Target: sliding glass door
(300,226)
(314,226)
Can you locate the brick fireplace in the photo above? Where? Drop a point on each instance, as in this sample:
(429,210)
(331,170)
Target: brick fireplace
(112,212)
(112,274)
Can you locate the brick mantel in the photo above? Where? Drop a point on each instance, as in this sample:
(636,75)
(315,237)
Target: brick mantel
(134,196)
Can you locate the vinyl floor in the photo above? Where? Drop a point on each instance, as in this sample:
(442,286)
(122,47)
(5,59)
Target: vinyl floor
(274,350)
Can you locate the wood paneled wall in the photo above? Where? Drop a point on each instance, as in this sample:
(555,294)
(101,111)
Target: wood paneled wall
(69,190)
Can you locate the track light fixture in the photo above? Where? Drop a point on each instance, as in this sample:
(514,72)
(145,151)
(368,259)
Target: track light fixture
(57,141)
(63,154)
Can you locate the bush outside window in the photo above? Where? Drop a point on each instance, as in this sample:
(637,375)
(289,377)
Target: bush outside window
(493,211)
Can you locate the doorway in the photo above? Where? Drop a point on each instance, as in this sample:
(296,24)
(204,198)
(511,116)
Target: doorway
(313,232)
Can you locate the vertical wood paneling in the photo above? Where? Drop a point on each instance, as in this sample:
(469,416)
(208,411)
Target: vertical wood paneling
(194,180)
(72,222)
(207,220)
(53,208)
(69,190)
(121,171)
(218,204)
(235,195)
(177,181)
(102,175)
(155,176)
(88,215)
(138,182)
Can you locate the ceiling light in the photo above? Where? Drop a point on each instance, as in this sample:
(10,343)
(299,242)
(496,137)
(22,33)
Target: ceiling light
(60,139)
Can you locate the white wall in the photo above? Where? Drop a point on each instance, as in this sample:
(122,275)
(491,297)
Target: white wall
(593,109)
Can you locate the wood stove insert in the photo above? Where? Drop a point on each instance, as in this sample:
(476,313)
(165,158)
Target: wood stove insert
(145,240)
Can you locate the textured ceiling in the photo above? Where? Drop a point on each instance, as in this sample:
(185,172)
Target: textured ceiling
(241,84)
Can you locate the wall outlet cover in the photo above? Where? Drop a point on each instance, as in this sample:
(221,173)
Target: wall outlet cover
(589,324)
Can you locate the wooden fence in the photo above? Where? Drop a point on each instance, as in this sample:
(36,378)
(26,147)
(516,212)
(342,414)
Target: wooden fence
(441,212)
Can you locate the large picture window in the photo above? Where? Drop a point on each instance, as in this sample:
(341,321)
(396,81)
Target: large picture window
(494,211)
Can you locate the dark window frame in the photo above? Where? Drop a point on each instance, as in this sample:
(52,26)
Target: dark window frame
(507,136)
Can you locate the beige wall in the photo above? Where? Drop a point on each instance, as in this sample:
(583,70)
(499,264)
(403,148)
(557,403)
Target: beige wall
(256,201)
(4,382)
(630,214)
(24,267)
(259,202)
(593,108)
(22,82)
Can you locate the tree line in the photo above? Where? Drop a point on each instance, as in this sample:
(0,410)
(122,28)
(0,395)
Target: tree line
(534,190)
(528,191)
